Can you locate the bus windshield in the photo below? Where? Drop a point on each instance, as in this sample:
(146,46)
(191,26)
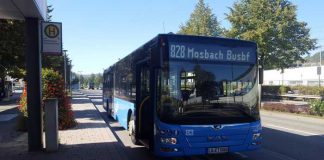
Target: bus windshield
(193,92)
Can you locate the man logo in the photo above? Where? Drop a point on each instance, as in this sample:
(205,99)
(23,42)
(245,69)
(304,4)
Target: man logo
(217,127)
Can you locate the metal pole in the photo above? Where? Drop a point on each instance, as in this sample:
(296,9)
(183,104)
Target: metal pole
(321,57)
(79,79)
(320,65)
(34,90)
(319,80)
(64,68)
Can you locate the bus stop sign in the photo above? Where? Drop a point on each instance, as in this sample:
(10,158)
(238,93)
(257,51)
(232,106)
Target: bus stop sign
(52,38)
(319,70)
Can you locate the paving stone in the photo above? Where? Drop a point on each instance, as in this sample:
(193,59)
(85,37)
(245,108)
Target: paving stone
(91,139)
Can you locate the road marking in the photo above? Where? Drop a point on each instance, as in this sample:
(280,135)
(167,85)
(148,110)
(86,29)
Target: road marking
(292,130)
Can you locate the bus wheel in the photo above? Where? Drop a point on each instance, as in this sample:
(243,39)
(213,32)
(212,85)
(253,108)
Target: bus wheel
(132,133)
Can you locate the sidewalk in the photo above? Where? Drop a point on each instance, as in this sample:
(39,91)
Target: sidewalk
(91,139)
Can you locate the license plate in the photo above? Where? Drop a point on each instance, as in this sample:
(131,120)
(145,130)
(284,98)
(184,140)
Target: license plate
(217,150)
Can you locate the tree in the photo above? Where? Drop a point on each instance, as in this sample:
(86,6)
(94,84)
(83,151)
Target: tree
(12,57)
(202,22)
(92,78)
(273,25)
(50,9)
(98,80)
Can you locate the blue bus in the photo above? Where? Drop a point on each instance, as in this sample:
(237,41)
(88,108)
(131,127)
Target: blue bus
(183,95)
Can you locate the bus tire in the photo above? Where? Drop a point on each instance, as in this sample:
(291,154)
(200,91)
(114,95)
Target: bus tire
(132,132)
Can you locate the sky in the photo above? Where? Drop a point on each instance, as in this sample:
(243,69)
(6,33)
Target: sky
(98,33)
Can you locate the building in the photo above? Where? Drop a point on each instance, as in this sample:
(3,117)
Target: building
(306,76)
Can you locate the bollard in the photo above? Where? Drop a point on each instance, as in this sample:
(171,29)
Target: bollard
(51,124)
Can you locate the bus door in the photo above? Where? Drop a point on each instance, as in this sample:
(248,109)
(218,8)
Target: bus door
(144,108)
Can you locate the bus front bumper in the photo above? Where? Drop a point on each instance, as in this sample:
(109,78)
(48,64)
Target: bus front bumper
(190,151)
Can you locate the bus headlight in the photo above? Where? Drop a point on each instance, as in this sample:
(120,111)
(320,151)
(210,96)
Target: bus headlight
(168,140)
(256,136)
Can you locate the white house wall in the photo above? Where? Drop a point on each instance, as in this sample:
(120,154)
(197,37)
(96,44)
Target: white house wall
(293,76)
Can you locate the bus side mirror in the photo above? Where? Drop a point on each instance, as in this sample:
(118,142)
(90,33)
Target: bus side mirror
(260,75)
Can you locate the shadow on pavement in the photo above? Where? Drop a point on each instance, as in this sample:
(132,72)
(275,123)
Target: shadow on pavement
(12,99)
(80,101)
(117,128)
(293,145)
(97,103)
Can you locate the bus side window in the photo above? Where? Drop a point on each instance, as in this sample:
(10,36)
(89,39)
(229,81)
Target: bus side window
(145,80)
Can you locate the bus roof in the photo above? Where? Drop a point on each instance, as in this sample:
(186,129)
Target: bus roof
(191,38)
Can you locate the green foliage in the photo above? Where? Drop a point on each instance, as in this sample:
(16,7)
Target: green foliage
(270,90)
(50,9)
(317,107)
(98,80)
(91,78)
(273,25)
(283,89)
(84,81)
(315,58)
(302,90)
(55,63)
(12,55)
(53,87)
(53,84)
(275,90)
(309,90)
(202,22)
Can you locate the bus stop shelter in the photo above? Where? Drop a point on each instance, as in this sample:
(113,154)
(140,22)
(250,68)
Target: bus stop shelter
(32,11)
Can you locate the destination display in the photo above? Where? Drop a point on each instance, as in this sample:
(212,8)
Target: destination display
(209,52)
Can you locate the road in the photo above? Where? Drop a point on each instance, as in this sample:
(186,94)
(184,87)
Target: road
(286,137)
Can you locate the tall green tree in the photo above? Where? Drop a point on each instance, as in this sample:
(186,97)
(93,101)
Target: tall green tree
(98,80)
(92,78)
(273,25)
(12,57)
(202,22)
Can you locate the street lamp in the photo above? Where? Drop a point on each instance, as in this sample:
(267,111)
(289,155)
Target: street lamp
(80,72)
(70,74)
(319,68)
(64,51)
